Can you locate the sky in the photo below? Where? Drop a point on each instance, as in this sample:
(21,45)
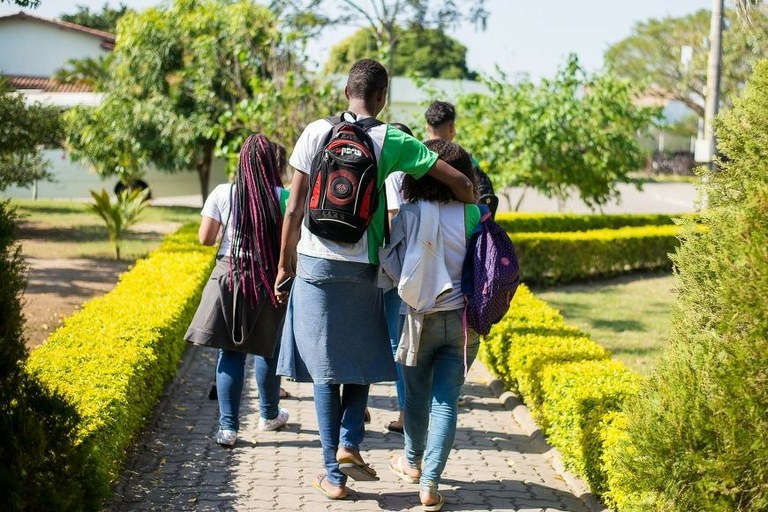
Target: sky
(522,37)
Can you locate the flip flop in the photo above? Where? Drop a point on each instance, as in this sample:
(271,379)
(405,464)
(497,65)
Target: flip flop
(434,507)
(359,472)
(391,427)
(397,469)
(318,484)
(284,394)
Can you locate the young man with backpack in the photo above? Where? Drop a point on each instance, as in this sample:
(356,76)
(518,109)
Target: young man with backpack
(335,332)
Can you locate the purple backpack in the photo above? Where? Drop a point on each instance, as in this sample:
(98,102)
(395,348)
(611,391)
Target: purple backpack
(490,276)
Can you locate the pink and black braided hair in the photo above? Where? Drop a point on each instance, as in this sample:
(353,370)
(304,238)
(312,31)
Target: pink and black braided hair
(256,219)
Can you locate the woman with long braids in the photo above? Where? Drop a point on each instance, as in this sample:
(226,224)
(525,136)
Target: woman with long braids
(250,210)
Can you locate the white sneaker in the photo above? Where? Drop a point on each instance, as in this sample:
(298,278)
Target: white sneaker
(275,423)
(226,437)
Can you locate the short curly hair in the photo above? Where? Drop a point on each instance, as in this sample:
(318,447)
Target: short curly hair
(439,113)
(428,188)
(366,77)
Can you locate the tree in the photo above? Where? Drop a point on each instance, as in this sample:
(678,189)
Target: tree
(652,56)
(576,133)
(191,80)
(697,437)
(23,130)
(383,17)
(105,20)
(421,51)
(22,3)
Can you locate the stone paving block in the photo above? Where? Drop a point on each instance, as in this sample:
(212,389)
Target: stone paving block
(176,465)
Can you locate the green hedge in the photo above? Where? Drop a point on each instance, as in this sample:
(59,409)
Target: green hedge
(112,359)
(576,399)
(557,223)
(562,257)
(569,383)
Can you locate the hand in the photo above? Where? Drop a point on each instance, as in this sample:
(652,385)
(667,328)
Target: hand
(282,275)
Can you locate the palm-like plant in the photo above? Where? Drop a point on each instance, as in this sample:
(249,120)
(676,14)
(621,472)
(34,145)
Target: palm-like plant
(120,214)
(89,71)
(745,7)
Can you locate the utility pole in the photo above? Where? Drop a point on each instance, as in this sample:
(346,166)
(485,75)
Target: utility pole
(713,79)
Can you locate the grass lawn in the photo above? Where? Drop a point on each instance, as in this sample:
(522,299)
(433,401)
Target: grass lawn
(629,315)
(67,229)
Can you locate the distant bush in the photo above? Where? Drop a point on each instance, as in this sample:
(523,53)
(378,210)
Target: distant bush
(562,257)
(38,457)
(112,359)
(697,437)
(563,222)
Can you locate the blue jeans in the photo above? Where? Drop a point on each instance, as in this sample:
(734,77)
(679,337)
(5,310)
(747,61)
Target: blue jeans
(392,304)
(431,392)
(230,375)
(340,421)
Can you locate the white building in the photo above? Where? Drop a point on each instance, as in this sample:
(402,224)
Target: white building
(34,49)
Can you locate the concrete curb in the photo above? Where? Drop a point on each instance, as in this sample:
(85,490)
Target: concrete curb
(523,417)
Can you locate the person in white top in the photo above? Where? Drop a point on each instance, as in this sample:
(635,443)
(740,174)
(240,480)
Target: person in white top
(249,215)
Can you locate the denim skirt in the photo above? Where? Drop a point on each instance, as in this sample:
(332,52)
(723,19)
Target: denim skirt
(335,329)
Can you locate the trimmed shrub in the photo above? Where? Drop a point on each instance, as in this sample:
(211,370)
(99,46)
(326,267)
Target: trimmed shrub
(112,359)
(697,438)
(532,335)
(620,493)
(559,223)
(576,399)
(562,257)
(38,459)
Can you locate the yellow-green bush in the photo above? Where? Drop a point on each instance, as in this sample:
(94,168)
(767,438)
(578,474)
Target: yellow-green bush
(620,493)
(575,400)
(562,257)
(562,222)
(532,335)
(568,381)
(112,359)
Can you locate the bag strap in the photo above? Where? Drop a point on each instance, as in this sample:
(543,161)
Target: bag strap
(366,124)
(226,225)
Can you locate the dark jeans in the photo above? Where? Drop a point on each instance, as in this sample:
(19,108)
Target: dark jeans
(340,421)
(230,375)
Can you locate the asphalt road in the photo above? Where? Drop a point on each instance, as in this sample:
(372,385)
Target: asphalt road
(654,198)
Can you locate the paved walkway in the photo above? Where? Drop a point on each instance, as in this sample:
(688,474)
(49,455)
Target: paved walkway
(495,465)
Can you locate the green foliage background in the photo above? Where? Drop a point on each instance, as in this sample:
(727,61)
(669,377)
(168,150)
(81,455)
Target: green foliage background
(650,57)
(421,51)
(23,130)
(575,134)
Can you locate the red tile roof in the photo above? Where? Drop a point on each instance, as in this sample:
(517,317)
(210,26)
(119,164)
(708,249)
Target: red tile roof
(107,38)
(21,82)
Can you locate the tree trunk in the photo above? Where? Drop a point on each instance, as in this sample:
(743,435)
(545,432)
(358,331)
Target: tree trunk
(204,169)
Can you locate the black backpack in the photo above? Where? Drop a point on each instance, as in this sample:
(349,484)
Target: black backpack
(343,189)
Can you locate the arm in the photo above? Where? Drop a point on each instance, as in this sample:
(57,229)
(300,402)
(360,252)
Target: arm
(209,230)
(289,239)
(460,185)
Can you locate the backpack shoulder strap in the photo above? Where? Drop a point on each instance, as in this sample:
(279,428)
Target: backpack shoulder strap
(334,120)
(368,123)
